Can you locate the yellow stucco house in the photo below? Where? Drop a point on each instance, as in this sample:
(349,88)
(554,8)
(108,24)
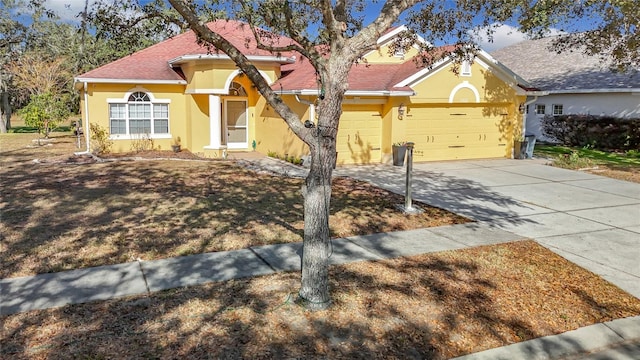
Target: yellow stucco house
(177,89)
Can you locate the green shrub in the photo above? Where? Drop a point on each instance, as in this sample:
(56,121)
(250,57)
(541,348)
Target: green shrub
(593,132)
(573,161)
(44,112)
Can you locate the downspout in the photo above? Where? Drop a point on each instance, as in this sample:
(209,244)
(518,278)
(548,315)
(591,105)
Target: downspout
(86,116)
(524,117)
(312,108)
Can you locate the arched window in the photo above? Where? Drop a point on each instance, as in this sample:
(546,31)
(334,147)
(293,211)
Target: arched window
(139,114)
(139,96)
(236,89)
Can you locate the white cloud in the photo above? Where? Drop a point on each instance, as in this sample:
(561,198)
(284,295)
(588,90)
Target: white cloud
(503,35)
(67,10)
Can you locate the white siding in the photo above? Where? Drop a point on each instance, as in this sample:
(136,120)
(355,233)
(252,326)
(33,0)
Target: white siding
(616,104)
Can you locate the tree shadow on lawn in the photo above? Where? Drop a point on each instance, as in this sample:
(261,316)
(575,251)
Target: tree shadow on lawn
(432,306)
(141,208)
(60,216)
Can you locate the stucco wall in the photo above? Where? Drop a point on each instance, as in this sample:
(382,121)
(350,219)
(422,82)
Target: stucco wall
(98,111)
(272,134)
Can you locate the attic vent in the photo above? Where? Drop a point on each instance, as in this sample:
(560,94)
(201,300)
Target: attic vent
(465,68)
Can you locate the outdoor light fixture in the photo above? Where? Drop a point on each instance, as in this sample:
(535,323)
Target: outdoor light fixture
(401,109)
(521,108)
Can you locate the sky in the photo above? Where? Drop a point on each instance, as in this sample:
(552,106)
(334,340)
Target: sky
(505,34)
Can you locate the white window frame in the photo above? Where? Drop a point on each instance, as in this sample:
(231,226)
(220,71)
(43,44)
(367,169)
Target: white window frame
(537,109)
(152,101)
(556,107)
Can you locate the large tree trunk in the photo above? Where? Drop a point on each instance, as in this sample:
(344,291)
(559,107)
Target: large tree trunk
(5,112)
(314,291)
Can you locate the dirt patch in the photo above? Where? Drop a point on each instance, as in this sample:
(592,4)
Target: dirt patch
(433,306)
(631,174)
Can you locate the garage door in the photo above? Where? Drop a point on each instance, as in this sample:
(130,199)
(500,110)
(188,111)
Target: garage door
(359,135)
(458,132)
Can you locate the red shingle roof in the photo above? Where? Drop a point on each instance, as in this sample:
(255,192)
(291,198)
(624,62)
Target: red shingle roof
(152,63)
(362,77)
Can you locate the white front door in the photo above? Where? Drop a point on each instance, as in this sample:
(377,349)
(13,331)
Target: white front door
(236,125)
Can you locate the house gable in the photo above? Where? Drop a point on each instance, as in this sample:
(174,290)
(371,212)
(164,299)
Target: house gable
(384,53)
(486,82)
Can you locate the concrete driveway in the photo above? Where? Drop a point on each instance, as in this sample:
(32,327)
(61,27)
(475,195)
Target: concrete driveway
(590,220)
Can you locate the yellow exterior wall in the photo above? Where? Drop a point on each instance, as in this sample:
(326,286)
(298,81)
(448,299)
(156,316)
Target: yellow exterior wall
(368,127)
(204,76)
(197,111)
(382,55)
(469,126)
(98,111)
(273,135)
(359,134)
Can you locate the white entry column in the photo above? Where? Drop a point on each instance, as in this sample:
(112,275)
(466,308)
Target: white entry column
(215,118)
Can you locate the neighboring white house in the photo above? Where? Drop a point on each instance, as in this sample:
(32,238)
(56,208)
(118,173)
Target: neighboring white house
(572,83)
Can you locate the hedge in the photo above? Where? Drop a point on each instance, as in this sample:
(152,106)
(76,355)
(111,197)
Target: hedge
(598,132)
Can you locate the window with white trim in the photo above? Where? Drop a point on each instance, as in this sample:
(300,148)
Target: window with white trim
(541,109)
(558,109)
(138,115)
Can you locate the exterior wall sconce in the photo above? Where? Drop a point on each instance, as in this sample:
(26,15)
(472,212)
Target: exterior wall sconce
(401,110)
(521,108)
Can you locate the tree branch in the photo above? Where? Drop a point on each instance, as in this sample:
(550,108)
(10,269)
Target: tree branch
(222,44)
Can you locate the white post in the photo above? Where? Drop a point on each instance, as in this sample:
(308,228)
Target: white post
(215,118)
(408,206)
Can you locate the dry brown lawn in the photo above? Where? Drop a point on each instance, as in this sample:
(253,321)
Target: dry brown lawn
(629,173)
(63,212)
(433,306)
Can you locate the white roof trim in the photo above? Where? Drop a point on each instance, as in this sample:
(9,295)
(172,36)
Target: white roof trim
(417,76)
(503,68)
(129,81)
(634,91)
(483,59)
(350,92)
(390,35)
(393,33)
(254,58)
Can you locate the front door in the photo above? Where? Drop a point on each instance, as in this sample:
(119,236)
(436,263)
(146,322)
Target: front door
(237,131)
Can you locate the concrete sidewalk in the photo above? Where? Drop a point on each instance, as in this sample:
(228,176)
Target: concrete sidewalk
(142,277)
